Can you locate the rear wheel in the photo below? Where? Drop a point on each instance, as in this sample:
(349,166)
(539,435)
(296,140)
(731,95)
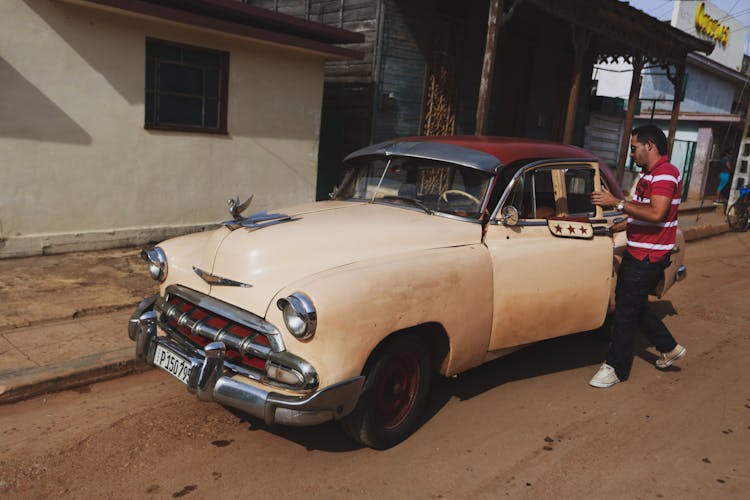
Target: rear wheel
(394,396)
(737,216)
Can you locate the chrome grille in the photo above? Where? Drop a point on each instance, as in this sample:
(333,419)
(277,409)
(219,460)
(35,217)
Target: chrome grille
(201,326)
(253,346)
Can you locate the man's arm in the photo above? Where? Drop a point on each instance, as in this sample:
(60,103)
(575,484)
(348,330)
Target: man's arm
(654,211)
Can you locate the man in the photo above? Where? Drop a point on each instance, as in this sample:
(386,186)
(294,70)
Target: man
(651,231)
(725,172)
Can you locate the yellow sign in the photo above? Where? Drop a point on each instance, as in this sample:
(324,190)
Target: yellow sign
(710,26)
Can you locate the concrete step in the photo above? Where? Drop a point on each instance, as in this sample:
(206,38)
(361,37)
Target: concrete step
(693,207)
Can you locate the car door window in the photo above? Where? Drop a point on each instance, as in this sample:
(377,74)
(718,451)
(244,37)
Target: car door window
(534,195)
(553,190)
(579,184)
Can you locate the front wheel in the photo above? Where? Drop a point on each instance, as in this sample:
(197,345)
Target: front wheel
(395,393)
(737,216)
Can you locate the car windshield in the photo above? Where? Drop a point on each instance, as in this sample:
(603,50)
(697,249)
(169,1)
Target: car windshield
(429,185)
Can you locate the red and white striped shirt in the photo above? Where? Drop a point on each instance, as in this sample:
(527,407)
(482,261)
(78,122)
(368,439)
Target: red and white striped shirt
(655,240)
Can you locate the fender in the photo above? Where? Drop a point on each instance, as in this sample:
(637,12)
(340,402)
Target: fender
(360,304)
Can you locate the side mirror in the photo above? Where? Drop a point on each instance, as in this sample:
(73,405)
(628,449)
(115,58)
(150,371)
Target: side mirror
(510,215)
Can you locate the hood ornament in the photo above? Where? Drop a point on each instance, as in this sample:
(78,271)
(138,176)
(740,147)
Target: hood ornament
(258,221)
(251,222)
(214,280)
(236,209)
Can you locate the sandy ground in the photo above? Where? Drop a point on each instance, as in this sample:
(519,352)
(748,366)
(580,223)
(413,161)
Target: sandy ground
(525,426)
(106,281)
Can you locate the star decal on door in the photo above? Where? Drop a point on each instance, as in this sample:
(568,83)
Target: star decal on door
(570,227)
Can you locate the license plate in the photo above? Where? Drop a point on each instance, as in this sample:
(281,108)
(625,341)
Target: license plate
(172,362)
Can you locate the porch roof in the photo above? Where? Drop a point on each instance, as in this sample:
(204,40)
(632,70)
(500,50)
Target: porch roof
(623,31)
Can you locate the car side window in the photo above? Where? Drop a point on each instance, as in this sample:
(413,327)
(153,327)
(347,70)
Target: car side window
(579,184)
(533,195)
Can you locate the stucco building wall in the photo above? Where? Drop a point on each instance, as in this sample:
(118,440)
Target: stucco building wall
(79,171)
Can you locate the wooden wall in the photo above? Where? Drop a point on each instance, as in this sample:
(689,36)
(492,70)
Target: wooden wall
(353,15)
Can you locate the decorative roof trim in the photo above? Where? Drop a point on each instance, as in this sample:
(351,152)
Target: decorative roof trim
(659,39)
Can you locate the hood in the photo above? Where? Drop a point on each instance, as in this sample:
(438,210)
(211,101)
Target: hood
(322,236)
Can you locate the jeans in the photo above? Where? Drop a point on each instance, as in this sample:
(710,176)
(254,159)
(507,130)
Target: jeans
(634,281)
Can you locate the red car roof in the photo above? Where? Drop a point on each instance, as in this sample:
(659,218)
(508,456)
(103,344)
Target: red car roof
(507,149)
(511,149)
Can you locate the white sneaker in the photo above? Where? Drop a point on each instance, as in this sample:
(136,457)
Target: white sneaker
(667,358)
(605,377)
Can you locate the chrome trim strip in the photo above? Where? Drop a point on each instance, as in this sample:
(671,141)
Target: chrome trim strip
(532,223)
(457,217)
(215,280)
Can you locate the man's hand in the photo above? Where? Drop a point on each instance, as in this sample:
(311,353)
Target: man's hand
(604,198)
(655,210)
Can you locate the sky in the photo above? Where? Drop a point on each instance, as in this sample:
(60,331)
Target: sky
(662,9)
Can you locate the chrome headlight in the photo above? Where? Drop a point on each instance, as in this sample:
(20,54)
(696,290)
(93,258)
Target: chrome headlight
(299,315)
(157,263)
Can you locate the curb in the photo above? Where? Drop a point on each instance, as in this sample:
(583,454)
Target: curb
(705,231)
(30,382)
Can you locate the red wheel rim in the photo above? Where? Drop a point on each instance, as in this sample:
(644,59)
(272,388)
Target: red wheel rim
(396,389)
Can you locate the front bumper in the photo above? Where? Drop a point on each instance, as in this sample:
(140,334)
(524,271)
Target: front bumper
(209,380)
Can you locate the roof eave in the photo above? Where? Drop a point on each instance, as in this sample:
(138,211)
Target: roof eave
(267,19)
(637,31)
(719,69)
(180,16)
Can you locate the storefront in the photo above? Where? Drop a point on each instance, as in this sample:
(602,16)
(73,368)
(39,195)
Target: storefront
(434,70)
(714,96)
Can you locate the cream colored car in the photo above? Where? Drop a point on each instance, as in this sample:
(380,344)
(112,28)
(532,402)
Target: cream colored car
(435,255)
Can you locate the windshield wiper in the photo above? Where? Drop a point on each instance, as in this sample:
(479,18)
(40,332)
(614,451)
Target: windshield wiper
(413,201)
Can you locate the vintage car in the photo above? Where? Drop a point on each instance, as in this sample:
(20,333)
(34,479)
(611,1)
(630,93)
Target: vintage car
(436,254)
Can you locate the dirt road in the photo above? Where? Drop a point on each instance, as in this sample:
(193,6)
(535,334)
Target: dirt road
(525,426)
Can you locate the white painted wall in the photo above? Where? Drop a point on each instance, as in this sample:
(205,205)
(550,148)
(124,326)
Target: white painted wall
(79,171)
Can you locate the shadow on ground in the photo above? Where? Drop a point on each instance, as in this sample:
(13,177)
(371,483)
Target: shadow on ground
(542,358)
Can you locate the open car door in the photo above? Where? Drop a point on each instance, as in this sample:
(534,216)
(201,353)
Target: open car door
(552,267)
